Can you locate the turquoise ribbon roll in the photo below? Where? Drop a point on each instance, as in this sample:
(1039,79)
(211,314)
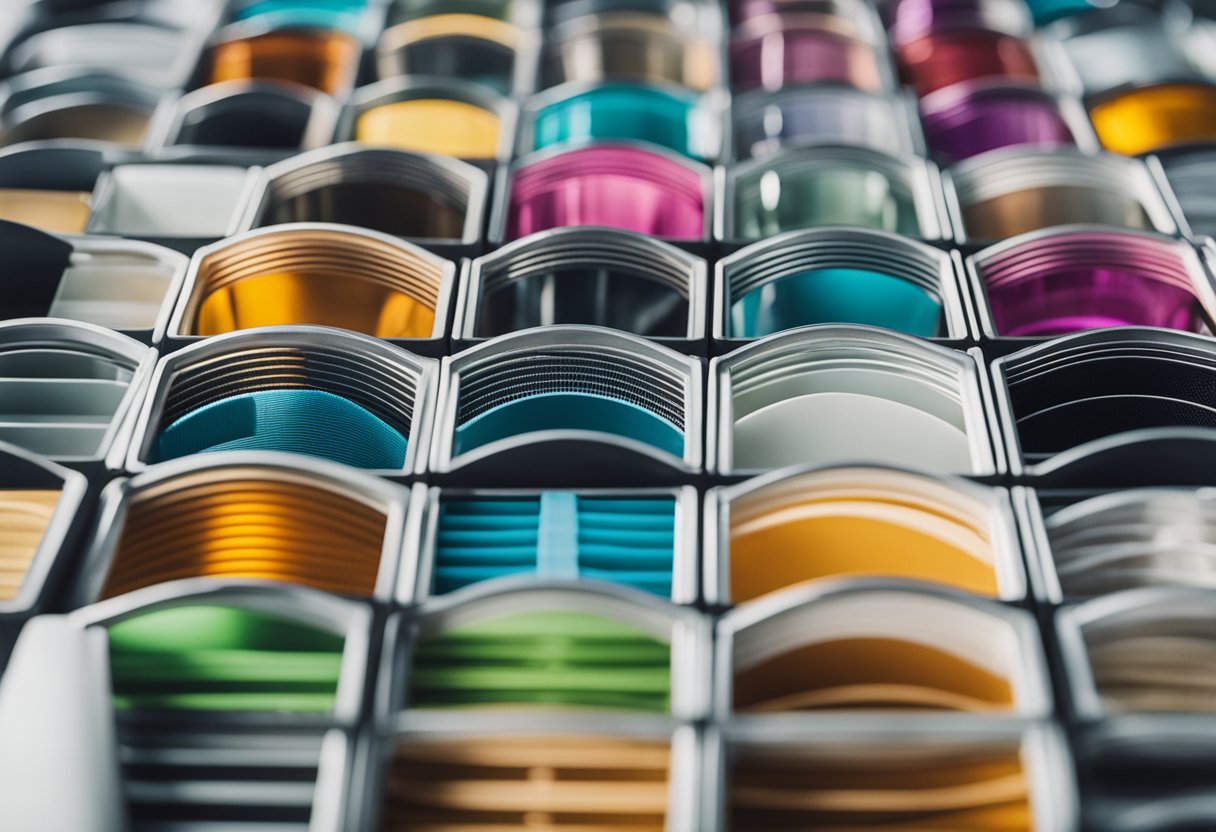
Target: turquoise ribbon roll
(628,541)
(822,296)
(334,15)
(310,422)
(622,112)
(569,411)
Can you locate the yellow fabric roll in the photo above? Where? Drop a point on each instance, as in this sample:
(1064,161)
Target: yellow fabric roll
(431,125)
(1151,118)
(24,516)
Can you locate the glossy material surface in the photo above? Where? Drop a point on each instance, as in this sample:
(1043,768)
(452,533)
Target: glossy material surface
(507,782)
(24,517)
(1018,212)
(787,55)
(666,118)
(614,295)
(343,15)
(569,411)
(64,212)
(123,124)
(764,124)
(629,46)
(962,121)
(1144,120)
(826,192)
(822,296)
(961,788)
(310,422)
(617,186)
(1114,542)
(214,658)
(59,400)
(850,522)
(247,527)
(942,58)
(1104,388)
(591,663)
(469,46)
(324,61)
(556,535)
(432,125)
(1087,280)
(330,278)
(873,673)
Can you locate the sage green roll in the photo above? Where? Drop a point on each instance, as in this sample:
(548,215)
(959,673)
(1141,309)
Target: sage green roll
(218,658)
(822,192)
(554,659)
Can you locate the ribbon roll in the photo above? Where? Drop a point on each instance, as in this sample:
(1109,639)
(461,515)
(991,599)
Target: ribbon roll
(838,276)
(807,187)
(864,650)
(634,188)
(965,120)
(877,395)
(1056,282)
(628,540)
(313,274)
(411,195)
(66,387)
(809,527)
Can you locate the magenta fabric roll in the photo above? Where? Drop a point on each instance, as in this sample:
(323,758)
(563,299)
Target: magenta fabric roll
(803,55)
(1070,281)
(965,120)
(609,185)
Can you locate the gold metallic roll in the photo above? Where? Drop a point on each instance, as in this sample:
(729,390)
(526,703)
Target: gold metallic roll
(336,278)
(119,123)
(936,786)
(1150,118)
(66,212)
(432,125)
(1010,214)
(24,517)
(248,527)
(630,46)
(869,674)
(528,783)
(450,25)
(326,61)
(870,535)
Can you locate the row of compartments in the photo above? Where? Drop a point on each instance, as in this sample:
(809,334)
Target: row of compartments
(988,105)
(262,515)
(820,685)
(566,405)
(457,209)
(132,56)
(1043,282)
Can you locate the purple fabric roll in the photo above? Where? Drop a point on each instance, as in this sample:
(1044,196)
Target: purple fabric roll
(611,185)
(965,120)
(1067,281)
(795,54)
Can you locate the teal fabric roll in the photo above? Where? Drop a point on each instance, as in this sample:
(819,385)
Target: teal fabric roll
(568,411)
(822,296)
(335,15)
(1045,11)
(309,422)
(559,534)
(620,112)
